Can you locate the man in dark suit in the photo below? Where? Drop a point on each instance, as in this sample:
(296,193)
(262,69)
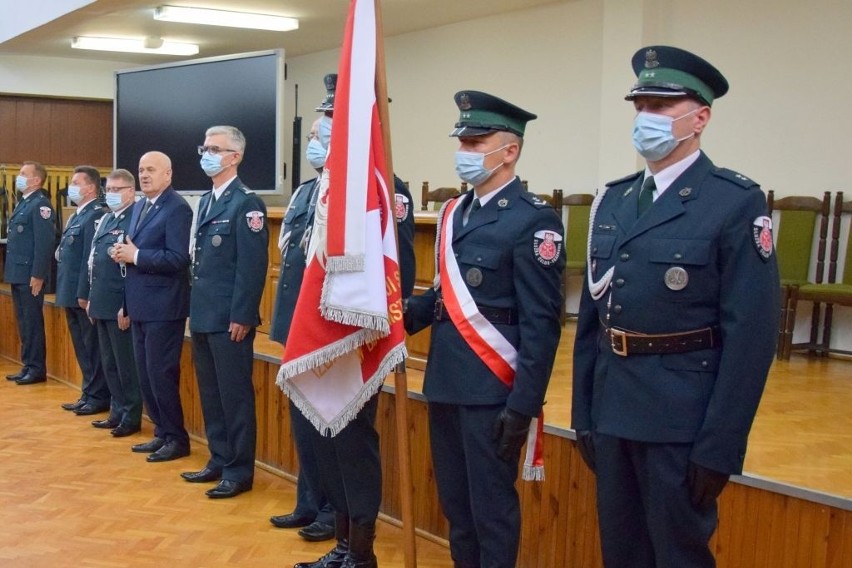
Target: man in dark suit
(228,273)
(72,289)
(495,320)
(677,325)
(29,250)
(106,308)
(156,293)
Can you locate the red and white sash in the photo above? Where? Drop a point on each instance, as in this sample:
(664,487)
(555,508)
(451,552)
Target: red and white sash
(484,339)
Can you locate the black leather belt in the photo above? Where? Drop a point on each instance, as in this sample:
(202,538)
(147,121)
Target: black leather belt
(624,342)
(504,316)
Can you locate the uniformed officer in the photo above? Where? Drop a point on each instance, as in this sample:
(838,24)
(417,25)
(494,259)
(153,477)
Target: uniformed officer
(494,312)
(106,308)
(677,325)
(72,290)
(228,273)
(29,251)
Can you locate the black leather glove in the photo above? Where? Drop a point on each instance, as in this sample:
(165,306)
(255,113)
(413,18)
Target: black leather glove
(587,447)
(510,430)
(705,485)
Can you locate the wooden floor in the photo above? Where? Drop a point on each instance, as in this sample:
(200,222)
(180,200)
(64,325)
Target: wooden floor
(71,495)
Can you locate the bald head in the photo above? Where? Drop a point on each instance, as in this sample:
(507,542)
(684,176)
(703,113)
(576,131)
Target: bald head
(155,173)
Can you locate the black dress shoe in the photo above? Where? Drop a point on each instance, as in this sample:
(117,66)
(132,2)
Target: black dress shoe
(202,476)
(73,405)
(30,380)
(19,375)
(317,531)
(123,430)
(106,423)
(170,451)
(228,488)
(290,521)
(148,447)
(89,409)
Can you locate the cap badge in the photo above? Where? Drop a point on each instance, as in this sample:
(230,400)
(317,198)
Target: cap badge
(464,102)
(651,59)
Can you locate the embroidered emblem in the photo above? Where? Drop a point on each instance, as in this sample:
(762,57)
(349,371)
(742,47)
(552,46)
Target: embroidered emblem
(255,221)
(401,208)
(45,212)
(761,232)
(676,278)
(216,240)
(473,277)
(547,246)
(651,59)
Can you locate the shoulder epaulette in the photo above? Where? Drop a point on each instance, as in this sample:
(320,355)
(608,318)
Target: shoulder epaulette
(534,200)
(630,178)
(735,178)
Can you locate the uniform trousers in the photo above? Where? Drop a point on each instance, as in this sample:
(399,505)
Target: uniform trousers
(311,501)
(30,320)
(350,467)
(156,347)
(116,347)
(644,509)
(223,368)
(84,337)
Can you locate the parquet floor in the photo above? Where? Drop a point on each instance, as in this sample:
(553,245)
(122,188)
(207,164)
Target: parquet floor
(73,496)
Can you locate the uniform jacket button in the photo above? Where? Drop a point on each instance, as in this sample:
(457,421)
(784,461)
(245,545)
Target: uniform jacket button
(678,256)
(617,308)
(286,286)
(705,364)
(625,256)
(619,282)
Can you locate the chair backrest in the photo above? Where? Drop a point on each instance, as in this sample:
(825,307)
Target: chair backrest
(437,195)
(579,207)
(794,236)
(553,199)
(841,210)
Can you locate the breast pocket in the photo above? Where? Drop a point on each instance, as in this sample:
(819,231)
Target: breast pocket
(218,238)
(600,251)
(480,256)
(684,268)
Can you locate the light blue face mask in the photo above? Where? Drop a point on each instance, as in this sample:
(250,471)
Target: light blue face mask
(652,135)
(470,166)
(74,194)
(113,201)
(316,154)
(324,131)
(20,183)
(211,164)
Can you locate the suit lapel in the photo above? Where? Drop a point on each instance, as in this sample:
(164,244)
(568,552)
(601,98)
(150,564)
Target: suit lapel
(489,213)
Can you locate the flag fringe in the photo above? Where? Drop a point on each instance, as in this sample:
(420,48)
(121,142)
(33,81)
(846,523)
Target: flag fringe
(320,357)
(377,324)
(533,473)
(353,263)
(331,429)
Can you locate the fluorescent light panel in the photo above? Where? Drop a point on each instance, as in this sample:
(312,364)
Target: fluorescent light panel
(130,45)
(225,18)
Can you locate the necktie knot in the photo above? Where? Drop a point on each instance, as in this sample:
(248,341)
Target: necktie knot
(646,195)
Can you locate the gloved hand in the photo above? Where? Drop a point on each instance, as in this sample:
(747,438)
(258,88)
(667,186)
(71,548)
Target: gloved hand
(705,485)
(510,431)
(587,447)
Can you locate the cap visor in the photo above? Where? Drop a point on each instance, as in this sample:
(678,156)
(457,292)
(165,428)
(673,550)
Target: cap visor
(470,131)
(654,92)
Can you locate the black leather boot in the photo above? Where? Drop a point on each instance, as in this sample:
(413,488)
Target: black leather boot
(361,553)
(336,557)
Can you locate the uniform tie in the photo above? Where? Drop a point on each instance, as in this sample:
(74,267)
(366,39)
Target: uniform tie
(474,207)
(646,196)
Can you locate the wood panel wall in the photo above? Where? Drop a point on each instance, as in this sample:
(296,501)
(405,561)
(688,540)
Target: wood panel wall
(758,528)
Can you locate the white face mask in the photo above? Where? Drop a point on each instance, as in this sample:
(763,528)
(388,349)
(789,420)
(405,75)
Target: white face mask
(653,137)
(470,166)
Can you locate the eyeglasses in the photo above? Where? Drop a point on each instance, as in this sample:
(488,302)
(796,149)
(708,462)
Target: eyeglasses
(117,188)
(213,150)
(312,136)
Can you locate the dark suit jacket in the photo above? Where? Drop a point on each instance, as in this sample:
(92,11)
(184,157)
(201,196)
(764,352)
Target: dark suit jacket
(230,260)
(703,225)
(72,272)
(31,238)
(157,286)
(106,292)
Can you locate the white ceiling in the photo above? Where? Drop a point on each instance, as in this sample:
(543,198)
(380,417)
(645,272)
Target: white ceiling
(321,25)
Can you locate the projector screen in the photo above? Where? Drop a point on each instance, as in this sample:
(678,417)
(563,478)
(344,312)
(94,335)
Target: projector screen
(169,107)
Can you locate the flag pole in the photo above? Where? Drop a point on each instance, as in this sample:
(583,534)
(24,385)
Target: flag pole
(400,376)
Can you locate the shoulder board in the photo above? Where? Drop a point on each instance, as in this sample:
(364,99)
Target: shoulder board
(246,190)
(625,179)
(534,200)
(735,178)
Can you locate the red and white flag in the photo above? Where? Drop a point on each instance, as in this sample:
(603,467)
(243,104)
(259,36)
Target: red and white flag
(347,334)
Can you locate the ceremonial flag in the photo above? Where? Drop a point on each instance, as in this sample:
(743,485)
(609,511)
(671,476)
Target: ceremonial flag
(346,334)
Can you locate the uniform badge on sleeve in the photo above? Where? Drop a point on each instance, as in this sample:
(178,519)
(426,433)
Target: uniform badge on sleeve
(761,231)
(547,246)
(255,220)
(45,212)
(402,208)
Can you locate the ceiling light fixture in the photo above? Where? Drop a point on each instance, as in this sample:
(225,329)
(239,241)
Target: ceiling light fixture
(132,45)
(225,18)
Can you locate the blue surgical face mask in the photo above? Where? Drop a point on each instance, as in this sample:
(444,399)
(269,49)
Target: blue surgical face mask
(470,166)
(324,131)
(653,137)
(211,164)
(113,201)
(21,183)
(316,154)
(74,194)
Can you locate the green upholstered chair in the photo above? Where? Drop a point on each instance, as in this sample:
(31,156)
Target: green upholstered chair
(833,291)
(798,221)
(579,206)
(438,195)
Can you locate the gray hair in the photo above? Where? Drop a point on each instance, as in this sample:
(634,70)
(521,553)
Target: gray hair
(236,137)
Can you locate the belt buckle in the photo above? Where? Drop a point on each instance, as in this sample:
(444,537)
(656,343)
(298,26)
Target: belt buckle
(620,350)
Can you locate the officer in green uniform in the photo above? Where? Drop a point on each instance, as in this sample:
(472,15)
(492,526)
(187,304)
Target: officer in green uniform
(677,325)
